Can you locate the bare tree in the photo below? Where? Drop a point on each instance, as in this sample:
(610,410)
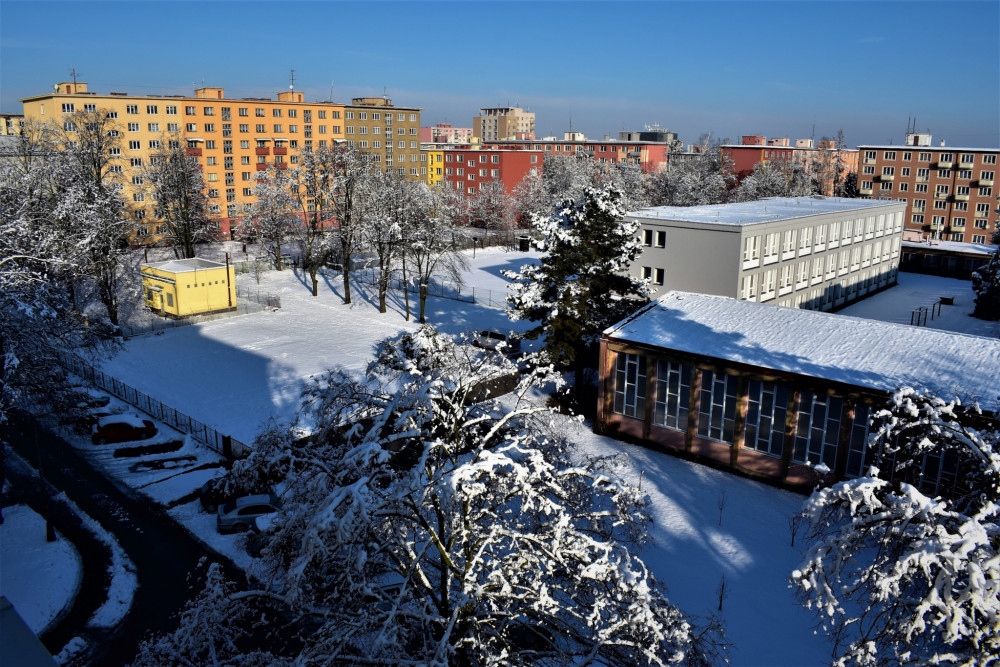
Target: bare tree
(388,200)
(490,207)
(429,241)
(352,170)
(175,183)
(272,216)
(312,187)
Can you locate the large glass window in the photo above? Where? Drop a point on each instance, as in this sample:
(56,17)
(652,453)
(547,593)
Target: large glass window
(717,414)
(767,407)
(818,429)
(673,395)
(630,385)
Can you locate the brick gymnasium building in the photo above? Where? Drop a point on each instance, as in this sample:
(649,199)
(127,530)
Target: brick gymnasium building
(780,394)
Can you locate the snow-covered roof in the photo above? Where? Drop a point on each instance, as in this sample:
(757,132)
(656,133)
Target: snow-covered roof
(770,209)
(185,265)
(954,246)
(852,350)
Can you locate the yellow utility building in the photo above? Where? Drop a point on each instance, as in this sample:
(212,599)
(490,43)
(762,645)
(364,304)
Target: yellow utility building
(182,287)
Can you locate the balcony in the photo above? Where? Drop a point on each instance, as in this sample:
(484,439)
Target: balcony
(280,150)
(923,179)
(940,195)
(868,160)
(985,182)
(887,177)
(966,165)
(964,197)
(194,152)
(865,191)
(281,165)
(261,166)
(945,164)
(263,151)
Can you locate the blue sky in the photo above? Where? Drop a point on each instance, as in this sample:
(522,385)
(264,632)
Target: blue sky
(732,68)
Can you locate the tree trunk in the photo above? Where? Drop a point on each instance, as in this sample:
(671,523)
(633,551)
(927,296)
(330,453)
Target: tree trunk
(423,302)
(406,290)
(346,258)
(315,281)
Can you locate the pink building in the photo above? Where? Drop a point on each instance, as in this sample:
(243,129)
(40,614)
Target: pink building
(444,133)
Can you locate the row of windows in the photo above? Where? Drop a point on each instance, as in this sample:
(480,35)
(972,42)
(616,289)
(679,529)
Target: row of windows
(803,241)
(798,276)
(926,156)
(819,422)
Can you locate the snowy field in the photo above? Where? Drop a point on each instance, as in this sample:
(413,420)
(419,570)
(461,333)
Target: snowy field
(29,564)
(916,290)
(237,373)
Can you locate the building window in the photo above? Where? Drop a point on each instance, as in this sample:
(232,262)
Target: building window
(132,108)
(630,385)
(717,414)
(673,395)
(151,109)
(767,408)
(818,429)
(751,250)
(978,238)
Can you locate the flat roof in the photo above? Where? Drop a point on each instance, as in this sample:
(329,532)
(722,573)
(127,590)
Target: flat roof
(185,265)
(949,149)
(953,246)
(852,350)
(771,209)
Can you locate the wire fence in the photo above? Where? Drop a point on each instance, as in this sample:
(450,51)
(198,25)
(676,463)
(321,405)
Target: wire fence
(248,300)
(223,444)
(438,286)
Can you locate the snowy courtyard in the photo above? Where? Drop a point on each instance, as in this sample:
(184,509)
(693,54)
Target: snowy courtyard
(237,373)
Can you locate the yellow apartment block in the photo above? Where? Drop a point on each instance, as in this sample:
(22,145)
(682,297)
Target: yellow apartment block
(435,167)
(233,139)
(183,287)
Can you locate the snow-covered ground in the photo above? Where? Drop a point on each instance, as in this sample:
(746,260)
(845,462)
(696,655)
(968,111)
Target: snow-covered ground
(916,290)
(237,373)
(39,578)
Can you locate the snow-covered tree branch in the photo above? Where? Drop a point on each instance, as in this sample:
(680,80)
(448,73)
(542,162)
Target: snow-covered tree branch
(901,577)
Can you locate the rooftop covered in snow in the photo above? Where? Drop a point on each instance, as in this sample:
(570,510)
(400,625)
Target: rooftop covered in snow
(953,246)
(184,265)
(860,352)
(771,209)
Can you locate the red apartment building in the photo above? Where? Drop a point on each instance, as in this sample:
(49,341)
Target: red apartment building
(651,156)
(949,191)
(816,161)
(468,169)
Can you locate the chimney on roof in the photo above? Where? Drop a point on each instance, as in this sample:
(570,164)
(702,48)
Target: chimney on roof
(942,142)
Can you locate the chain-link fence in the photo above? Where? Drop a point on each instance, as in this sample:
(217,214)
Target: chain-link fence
(203,433)
(438,286)
(248,300)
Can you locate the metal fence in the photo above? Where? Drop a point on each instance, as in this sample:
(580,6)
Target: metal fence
(438,286)
(248,301)
(203,433)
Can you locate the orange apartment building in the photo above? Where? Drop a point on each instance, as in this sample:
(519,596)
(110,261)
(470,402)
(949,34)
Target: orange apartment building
(949,191)
(820,162)
(233,139)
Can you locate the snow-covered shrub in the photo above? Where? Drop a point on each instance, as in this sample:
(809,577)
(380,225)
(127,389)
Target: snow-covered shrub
(897,576)
(425,526)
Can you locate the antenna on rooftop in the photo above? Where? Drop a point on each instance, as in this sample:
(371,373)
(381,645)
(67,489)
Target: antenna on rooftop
(331,91)
(292,86)
(72,73)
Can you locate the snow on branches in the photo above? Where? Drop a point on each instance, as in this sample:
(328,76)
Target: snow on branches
(898,576)
(583,285)
(434,517)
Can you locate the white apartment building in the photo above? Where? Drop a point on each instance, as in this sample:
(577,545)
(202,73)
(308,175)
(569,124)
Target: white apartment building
(813,252)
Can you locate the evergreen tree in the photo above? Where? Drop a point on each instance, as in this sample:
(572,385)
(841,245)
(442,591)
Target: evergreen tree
(986,285)
(583,285)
